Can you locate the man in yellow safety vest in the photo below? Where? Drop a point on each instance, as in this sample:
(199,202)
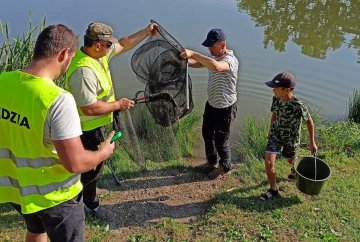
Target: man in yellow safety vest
(41,154)
(89,80)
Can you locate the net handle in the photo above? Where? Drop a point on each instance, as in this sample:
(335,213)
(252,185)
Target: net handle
(154,97)
(187,86)
(142,99)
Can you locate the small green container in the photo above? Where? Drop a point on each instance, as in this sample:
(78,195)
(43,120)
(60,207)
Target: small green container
(311,174)
(116,136)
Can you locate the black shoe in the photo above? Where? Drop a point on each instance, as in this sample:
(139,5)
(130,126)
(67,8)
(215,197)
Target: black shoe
(101,213)
(205,168)
(215,173)
(269,194)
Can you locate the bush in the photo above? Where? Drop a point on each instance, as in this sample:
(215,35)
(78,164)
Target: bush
(339,137)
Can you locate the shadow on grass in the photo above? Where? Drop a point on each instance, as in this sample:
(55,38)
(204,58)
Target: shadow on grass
(243,200)
(142,211)
(153,179)
(145,211)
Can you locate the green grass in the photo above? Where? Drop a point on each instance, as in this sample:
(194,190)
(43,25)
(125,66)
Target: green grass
(253,142)
(354,106)
(186,132)
(159,147)
(155,142)
(239,215)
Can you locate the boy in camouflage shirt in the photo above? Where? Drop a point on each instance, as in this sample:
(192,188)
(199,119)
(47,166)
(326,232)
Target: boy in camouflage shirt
(287,115)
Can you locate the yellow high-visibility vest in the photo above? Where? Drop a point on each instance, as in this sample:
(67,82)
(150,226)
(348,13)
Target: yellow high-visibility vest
(102,72)
(31,173)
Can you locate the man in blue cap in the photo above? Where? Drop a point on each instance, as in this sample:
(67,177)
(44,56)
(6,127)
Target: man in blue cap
(220,109)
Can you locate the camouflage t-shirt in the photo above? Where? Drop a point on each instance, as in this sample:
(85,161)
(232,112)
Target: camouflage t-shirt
(289,115)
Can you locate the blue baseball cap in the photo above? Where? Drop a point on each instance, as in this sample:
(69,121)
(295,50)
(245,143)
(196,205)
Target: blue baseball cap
(214,36)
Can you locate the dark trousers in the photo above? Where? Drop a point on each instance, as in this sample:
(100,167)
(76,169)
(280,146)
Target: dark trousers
(91,139)
(216,133)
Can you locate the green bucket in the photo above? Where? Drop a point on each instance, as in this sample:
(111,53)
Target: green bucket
(311,174)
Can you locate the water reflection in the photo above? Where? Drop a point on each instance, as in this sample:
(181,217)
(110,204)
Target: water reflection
(317,26)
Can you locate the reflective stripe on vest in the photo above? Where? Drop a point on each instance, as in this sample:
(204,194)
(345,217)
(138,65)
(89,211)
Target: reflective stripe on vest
(38,190)
(27,162)
(102,72)
(31,173)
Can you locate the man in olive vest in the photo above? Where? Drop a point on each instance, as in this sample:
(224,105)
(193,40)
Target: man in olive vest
(89,80)
(41,154)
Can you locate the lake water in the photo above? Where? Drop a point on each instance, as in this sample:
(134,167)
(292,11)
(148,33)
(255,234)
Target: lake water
(319,42)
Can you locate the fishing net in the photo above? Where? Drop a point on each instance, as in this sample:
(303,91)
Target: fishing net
(148,128)
(168,86)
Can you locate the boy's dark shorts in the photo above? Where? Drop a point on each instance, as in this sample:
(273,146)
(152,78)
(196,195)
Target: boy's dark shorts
(64,222)
(288,151)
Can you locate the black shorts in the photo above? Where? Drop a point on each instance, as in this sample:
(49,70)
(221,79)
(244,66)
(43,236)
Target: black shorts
(64,222)
(288,151)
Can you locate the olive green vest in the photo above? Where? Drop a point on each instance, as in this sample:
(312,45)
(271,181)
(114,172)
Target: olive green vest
(31,173)
(102,72)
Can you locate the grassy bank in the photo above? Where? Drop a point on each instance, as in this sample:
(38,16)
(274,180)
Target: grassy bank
(237,214)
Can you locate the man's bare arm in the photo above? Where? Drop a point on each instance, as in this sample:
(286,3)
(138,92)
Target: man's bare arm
(206,61)
(78,160)
(128,42)
(101,107)
(310,127)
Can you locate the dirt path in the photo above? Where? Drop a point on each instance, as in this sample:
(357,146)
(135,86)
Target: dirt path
(182,194)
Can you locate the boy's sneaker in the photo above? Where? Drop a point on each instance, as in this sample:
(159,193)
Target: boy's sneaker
(101,213)
(215,173)
(269,194)
(292,174)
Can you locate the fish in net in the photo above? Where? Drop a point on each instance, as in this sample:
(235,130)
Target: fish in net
(148,127)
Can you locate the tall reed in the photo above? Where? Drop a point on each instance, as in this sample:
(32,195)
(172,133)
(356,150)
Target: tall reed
(186,132)
(354,106)
(16,53)
(253,142)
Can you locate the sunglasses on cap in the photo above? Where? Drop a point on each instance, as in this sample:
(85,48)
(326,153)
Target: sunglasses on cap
(106,44)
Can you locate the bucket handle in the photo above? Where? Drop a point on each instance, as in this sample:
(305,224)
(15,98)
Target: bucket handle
(315,166)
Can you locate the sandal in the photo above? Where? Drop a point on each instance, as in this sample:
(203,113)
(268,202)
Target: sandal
(269,194)
(292,174)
